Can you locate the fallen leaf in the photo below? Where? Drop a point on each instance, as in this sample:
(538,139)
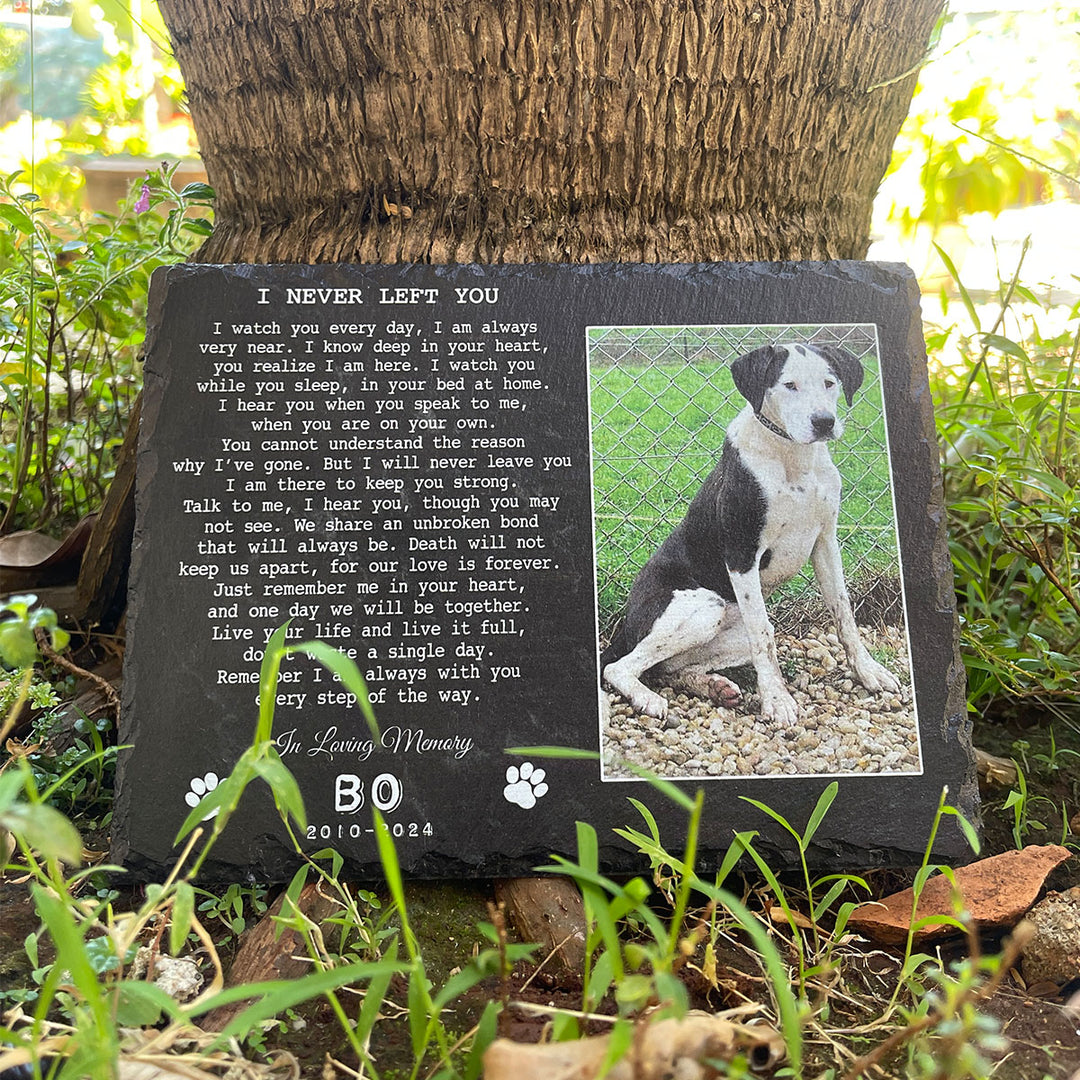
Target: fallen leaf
(665,1048)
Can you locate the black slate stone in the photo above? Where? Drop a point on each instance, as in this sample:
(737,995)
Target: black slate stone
(185,716)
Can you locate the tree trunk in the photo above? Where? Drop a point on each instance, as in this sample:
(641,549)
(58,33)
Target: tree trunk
(572,130)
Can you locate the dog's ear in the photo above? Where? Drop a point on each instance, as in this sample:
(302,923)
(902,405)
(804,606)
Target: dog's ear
(756,371)
(847,369)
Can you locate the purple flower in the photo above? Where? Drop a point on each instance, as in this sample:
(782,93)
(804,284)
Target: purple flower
(142,204)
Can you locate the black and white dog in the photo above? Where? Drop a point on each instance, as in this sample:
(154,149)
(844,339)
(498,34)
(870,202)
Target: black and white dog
(698,604)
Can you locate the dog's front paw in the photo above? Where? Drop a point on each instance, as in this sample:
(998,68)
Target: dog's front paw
(779,706)
(624,680)
(875,677)
(650,704)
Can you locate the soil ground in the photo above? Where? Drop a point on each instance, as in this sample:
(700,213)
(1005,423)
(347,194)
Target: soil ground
(1044,1036)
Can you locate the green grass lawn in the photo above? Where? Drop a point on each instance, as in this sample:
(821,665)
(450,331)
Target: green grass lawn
(658,429)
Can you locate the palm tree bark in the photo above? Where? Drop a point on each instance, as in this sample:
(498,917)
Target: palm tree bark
(570,130)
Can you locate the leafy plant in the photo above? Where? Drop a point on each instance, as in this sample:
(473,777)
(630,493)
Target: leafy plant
(362,930)
(821,957)
(78,778)
(1021,802)
(1009,423)
(72,311)
(643,972)
(1053,760)
(88,983)
(232,906)
(970,171)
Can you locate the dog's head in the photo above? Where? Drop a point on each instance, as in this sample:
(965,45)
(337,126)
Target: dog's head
(797,387)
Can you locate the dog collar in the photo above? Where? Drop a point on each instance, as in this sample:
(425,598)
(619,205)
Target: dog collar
(774,428)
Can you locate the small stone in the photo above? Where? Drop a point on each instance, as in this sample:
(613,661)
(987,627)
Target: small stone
(179,977)
(1053,952)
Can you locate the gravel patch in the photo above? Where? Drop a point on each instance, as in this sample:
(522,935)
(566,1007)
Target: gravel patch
(843,729)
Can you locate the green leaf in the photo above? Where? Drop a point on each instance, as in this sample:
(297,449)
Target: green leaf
(45,829)
(1014,799)
(418,1016)
(18,649)
(183,912)
(632,992)
(600,978)
(16,218)
(672,992)
(913,963)
(459,983)
(736,850)
(71,952)
(588,847)
(287,797)
(486,1031)
(938,920)
(564,1028)
(1005,345)
(374,996)
(570,752)
(392,873)
(964,295)
(843,914)
(347,672)
(922,875)
(12,784)
(646,813)
(268,679)
(141,1004)
(197,190)
(966,827)
(198,226)
(766,809)
(825,902)
(820,810)
(665,787)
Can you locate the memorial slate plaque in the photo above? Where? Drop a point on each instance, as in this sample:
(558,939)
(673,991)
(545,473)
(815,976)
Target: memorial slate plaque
(454,474)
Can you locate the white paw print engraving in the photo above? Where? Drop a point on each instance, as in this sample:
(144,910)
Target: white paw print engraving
(200,786)
(524,785)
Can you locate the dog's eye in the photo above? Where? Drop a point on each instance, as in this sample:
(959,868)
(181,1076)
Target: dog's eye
(790,385)
(829,384)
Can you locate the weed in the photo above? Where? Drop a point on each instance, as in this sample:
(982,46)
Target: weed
(233,907)
(72,311)
(87,983)
(945,1034)
(1052,761)
(1021,802)
(1011,469)
(644,974)
(361,926)
(77,779)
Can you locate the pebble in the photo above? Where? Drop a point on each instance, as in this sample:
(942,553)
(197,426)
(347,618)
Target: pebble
(842,728)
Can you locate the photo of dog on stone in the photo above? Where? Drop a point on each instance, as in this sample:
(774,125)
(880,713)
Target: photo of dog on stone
(697,607)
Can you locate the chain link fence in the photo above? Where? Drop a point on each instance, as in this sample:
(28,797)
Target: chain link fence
(661,399)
